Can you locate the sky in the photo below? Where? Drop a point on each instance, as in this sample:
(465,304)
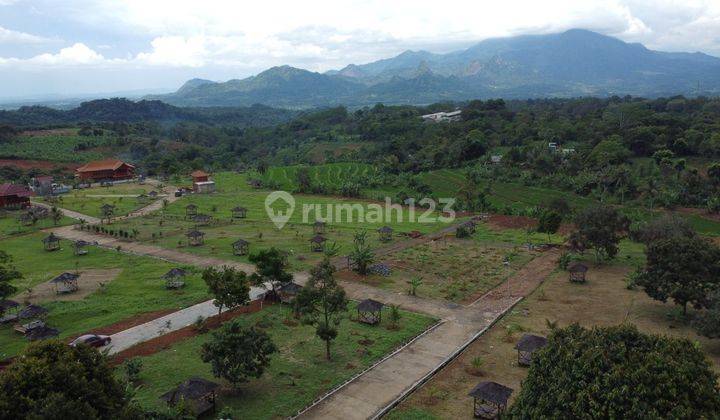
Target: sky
(78,47)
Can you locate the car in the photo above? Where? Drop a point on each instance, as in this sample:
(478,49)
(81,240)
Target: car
(92,340)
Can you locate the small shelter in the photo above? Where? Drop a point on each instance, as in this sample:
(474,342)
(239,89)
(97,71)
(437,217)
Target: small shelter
(489,399)
(8,310)
(255,183)
(195,238)
(288,291)
(469,226)
(65,283)
(27,218)
(319,227)
(577,272)
(174,278)
(79,247)
(29,326)
(202,219)
(239,212)
(153,194)
(240,247)
(385,233)
(370,311)
(51,242)
(190,210)
(317,243)
(42,333)
(527,345)
(198,393)
(32,311)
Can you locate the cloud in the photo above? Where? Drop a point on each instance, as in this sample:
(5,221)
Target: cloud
(8,36)
(76,55)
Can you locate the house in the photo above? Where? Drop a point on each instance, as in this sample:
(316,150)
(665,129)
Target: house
(42,185)
(200,176)
(105,170)
(443,116)
(14,196)
(202,183)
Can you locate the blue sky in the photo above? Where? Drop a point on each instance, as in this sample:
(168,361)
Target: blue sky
(76,47)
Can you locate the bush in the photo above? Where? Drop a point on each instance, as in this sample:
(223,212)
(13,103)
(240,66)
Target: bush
(132,369)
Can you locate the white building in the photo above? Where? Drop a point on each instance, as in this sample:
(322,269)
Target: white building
(443,116)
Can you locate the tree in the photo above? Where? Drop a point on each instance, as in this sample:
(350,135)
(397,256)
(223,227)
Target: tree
(599,228)
(53,380)
(684,269)
(270,267)
(56,214)
(617,372)
(322,302)
(549,222)
(414,283)
(237,353)
(8,273)
(361,255)
(229,286)
(707,322)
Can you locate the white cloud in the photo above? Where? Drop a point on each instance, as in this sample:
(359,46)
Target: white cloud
(8,36)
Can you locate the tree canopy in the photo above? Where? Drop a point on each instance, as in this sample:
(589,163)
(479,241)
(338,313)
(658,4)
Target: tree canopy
(599,228)
(229,287)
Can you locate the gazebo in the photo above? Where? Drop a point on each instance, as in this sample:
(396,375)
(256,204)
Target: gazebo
(65,283)
(577,272)
(79,247)
(202,219)
(370,311)
(190,210)
(198,393)
(195,238)
(27,218)
(239,212)
(42,333)
(319,227)
(240,247)
(527,345)
(51,242)
(7,305)
(288,291)
(32,311)
(153,194)
(107,210)
(489,399)
(469,226)
(385,233)
(317,243)
(173,278)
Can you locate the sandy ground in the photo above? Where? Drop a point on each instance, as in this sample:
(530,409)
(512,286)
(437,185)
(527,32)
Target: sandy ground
(90,280)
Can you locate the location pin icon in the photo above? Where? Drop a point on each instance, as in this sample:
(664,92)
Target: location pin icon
(279,218)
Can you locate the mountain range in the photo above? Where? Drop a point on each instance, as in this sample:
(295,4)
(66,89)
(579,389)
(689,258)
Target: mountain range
(573,63)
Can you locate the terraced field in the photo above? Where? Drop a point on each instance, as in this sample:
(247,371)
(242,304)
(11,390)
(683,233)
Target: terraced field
(332,175)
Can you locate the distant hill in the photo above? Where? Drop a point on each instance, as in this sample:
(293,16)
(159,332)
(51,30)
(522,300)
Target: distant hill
(573,63)
(124,110)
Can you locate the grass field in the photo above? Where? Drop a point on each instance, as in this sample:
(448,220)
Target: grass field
(603,300)
(10,225)
(138,287)
(58,146)
(90,200)
(332,175)
(297,374)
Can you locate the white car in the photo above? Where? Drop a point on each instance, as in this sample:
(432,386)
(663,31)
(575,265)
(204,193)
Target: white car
(92,340)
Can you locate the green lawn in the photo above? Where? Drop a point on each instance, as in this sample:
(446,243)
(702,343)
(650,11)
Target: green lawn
(11,226)
(138,288)
(90,200)
(297,374)
(332,175)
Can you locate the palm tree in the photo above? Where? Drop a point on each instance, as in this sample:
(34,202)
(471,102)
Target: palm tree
(361,255)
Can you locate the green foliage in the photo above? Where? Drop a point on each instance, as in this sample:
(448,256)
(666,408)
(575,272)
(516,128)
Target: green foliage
(617,372)
(237,353)
(133,367)
(599,228)
(54,380)
(361,255)
(415,282)
(549,222)
(271,265)
(610,150)
(229,287)
(395,315)
(707,322)
(8,274)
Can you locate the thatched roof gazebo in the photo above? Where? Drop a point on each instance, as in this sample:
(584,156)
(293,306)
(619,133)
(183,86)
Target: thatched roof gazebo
(173,278)
(27,218)
(470,226)
(7,304)
(195,238)
(577,272)
(241,247)
(191,210)
(288,291)
(32,311)
(489,399)
(65,283)
(239,212)
(385,233)
(527,345)
(79,247)
(42,333)
(319,227)
(202,219)
(51,242)
(198,393)
(317,243)
(370,311)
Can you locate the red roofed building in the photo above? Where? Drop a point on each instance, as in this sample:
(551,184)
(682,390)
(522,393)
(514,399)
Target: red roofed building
(108,169)
(200,176)
(12,195)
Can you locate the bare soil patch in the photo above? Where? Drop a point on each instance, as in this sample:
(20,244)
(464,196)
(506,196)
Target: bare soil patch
(90,280)
(501,221)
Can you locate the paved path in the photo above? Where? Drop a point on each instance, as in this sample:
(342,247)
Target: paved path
(71,214)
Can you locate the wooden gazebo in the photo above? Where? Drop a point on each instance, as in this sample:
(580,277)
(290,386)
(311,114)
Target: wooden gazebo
(8,310)
(51,242)
(370,311)
(195,238)
(577,272)
(202,219)
(190,210)
(27,218)
(385,233)
(32,312)
(288,291)
(241,247)
(317,243)
(199,394)
(239,212)
(527,345)
(79,247)
(42,333)
(174,278)
(65,283)
(319,227)
(469,226)
(489,399)
(153,194)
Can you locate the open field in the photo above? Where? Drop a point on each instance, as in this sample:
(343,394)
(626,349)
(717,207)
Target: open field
(89,200)
(135,288)
(332,175)
(297,374)
(10,225)
(603,300)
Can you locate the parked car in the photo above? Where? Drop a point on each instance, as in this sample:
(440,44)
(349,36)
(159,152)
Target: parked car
(92,340)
